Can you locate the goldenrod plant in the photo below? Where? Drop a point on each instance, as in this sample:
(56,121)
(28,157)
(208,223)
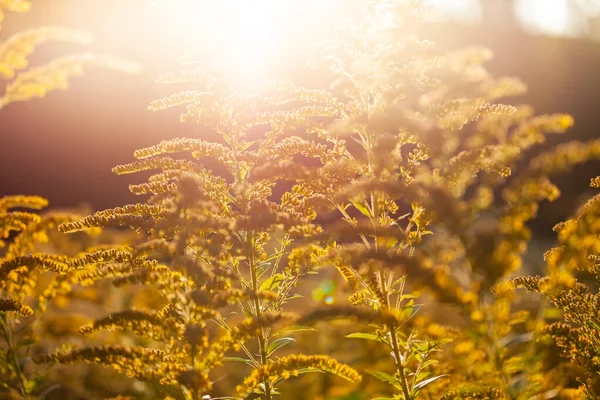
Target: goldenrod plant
(32,258)
(25,82)
(31,253)
(434,149)
(572,287)
(210,243)
(402,182)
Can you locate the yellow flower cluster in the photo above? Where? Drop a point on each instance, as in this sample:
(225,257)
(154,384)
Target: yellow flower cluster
(397,191)
(292,365)
(13,305)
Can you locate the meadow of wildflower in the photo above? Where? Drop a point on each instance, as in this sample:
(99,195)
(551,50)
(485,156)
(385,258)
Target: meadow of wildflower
(397,196)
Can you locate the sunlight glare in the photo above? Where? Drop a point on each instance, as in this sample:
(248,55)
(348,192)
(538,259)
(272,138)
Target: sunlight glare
(469,11)
(546,17)
(252,32)
(246,34)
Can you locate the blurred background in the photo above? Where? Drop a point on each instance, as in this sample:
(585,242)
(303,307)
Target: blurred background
(64,146)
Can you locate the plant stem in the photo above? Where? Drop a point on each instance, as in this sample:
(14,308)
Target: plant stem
(497,356)
(13,356)
(196,392)
(262,343)
(399,364)
(394,342)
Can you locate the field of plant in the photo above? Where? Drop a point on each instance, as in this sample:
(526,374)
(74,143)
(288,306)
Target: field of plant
(360,240)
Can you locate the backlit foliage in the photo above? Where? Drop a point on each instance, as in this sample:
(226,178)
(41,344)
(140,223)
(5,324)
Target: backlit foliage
(27,290)
(572,286)
(32,255)
(25,82)
(407,180)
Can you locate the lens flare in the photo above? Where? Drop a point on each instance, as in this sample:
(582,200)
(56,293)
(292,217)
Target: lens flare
(468,11)
(546,17)
(243,37)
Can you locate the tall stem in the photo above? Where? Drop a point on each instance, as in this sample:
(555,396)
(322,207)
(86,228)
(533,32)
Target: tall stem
(497,356)
(367,144)
(13,356)
(196,392)
(262,343)
(394,342)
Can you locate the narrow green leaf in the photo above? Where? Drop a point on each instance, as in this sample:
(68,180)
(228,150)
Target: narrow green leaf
(410,309)
(292,329)
(274,256)
(594,325)
(366,336)
(514,338)
(428,363)
(34,383)
(385,378)
(279,343)
(438,342)
(245,145)
(362,208)
(423,375)
(239,359)
(272,283)
(426,382)
(262,268)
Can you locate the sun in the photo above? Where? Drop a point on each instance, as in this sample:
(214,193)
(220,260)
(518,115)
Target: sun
(546,17)
(243,37)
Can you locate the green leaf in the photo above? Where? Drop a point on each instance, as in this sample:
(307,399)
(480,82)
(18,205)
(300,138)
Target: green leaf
(279,343)
(594,325)
(410,309)
(274,256)
(34,384)
(399,281)
(423,375)
(262,268)
(439,342)
(366,336)
(428,363)
(292,329)
(513,338)
(245,145)
(426,382)
(271,283)
(220,323)
(362,208)
(239,359)
(385,378)
(243,170)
